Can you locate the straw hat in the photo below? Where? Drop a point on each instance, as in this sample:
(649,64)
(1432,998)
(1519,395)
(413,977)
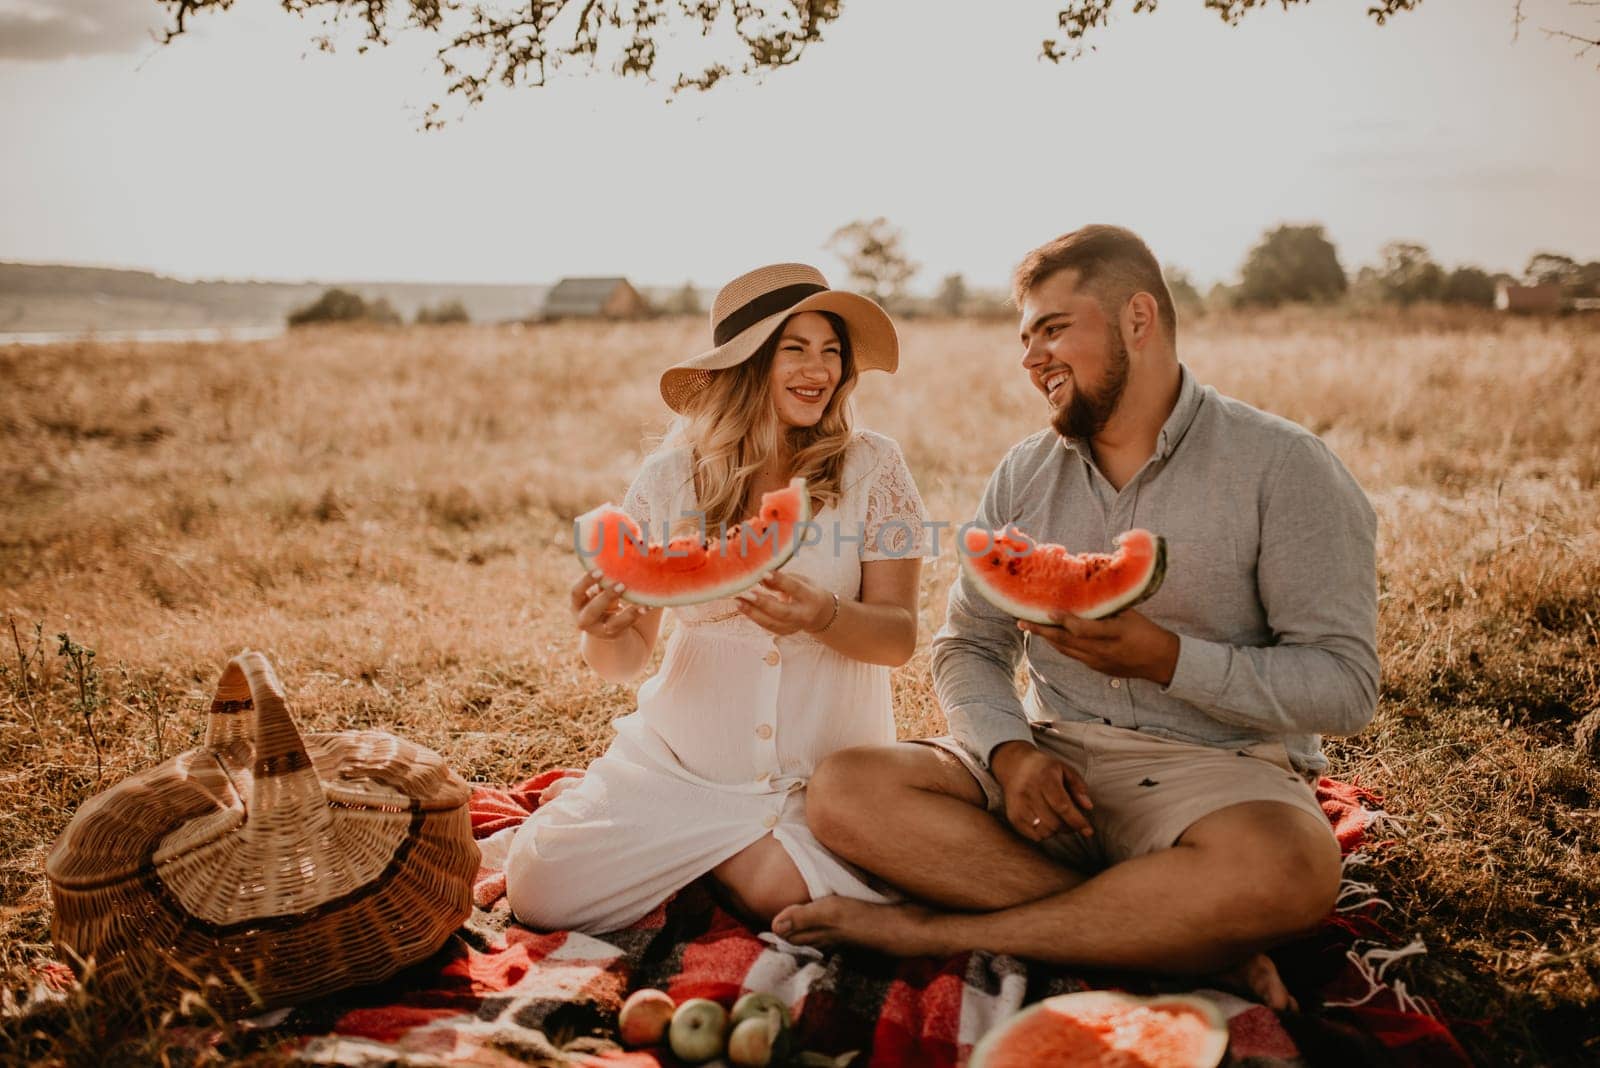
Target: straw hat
(269,868)
(751,307)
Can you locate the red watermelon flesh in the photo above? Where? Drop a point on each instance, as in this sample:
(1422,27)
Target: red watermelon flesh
(687,570)
(1105,1028)
(1039,582)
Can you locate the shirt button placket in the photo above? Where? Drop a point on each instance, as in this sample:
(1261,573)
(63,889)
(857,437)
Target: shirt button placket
(1124,703)
(768,759)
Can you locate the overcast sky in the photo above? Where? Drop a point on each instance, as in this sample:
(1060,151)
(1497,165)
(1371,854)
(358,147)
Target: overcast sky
(241,151)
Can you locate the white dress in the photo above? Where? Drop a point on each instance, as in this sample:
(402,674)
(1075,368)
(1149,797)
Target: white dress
(728,732)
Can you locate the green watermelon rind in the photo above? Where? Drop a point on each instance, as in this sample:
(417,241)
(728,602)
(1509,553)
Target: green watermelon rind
(585,526)
(1041,615)
(1211,1056)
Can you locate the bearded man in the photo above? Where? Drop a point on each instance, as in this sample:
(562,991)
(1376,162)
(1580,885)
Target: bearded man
(1147,803)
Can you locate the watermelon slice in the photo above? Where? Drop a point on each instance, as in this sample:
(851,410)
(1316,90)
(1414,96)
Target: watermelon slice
(1040,582)
(1107,1027)
(688,571)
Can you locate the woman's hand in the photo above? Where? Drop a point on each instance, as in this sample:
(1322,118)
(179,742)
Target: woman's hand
(784,604)
(599,610)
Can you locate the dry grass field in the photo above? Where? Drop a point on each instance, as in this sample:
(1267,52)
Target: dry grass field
(386,514)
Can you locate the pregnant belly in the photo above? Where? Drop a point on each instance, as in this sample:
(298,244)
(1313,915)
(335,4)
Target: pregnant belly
(708,703)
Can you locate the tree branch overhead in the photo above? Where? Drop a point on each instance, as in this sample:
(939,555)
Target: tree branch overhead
(684,44)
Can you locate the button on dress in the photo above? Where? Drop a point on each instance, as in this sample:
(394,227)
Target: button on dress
(729,730)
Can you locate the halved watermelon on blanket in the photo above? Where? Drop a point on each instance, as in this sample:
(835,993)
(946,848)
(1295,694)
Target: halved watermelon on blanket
(688,570)
(1038,581)
(1106,1027)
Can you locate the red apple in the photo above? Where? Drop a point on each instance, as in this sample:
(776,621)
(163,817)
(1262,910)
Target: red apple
(759,1041)
(645,1017)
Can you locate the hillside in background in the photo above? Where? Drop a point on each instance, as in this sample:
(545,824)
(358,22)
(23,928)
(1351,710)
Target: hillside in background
(45,298)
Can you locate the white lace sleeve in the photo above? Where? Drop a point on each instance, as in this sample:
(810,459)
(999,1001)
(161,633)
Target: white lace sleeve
(657,497)
(638,500)
(896,524)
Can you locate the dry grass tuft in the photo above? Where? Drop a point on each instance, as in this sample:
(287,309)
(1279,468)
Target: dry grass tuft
(386,515)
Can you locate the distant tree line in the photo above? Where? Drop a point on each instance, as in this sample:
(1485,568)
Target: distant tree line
(342,306)
(1290,264)
(1299,265)
(449,311)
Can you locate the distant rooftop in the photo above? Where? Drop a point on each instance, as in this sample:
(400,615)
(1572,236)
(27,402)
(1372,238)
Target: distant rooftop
(593,296)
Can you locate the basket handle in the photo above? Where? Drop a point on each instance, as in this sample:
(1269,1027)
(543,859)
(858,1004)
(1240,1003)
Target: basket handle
(283,775)
(227,722)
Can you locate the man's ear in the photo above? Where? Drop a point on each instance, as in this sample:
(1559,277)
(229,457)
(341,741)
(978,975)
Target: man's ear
(1139,318)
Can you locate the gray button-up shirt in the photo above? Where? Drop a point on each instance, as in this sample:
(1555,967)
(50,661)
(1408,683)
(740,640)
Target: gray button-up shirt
(1271,588)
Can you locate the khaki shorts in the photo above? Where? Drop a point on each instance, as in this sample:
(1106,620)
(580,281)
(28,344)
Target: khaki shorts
(1147,790)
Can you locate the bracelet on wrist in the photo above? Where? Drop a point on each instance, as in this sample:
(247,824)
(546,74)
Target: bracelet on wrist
(831,619)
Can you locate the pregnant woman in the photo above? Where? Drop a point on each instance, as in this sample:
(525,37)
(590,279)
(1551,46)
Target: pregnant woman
(709,774)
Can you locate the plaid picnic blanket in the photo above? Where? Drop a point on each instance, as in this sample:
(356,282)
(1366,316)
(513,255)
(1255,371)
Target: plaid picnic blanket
(502,995)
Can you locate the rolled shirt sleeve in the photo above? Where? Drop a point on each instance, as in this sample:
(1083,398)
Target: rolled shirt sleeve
(1317,580)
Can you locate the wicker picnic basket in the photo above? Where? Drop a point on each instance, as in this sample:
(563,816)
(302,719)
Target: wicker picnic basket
(262,868)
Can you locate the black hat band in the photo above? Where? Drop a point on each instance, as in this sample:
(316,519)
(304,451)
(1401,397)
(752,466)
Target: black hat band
(748,315)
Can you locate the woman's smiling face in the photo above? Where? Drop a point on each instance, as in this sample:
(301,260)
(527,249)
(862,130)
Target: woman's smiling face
(805,369)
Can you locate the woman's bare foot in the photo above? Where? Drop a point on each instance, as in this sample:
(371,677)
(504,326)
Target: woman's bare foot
(900,930)
(1260,977)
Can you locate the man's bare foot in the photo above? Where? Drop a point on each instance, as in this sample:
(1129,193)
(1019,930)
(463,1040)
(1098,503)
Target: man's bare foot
(900,930)
(915,931)
(1259,976)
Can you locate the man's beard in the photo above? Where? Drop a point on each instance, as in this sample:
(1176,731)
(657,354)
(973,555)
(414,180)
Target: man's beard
(1086,414)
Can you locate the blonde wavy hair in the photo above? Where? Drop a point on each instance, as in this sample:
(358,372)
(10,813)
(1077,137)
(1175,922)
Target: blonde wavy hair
(732,428)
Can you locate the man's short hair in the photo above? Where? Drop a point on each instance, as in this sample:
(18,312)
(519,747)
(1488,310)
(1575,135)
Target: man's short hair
(1112,263)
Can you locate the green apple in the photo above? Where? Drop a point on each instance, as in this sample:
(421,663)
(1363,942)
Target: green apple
(695,1034)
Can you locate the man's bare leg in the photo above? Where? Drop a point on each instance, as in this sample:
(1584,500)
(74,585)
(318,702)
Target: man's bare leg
(891,809)
(907,789)
(1239,880)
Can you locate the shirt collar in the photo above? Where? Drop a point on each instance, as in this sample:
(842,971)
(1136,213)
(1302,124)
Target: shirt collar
(1190,394)
(1177,425)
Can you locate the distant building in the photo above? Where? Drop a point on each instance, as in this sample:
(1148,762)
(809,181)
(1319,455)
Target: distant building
(1528,300)
(595,298)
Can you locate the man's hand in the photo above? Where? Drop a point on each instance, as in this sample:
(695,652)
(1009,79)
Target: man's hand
(1042,794)
(1127,645)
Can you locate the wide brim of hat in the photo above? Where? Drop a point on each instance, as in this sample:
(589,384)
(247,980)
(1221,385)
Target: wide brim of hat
(873,343)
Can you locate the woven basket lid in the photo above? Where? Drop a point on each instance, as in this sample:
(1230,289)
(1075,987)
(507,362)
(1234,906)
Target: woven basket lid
(259,823)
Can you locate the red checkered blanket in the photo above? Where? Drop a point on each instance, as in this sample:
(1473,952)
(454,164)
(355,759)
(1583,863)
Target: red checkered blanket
(502,995)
